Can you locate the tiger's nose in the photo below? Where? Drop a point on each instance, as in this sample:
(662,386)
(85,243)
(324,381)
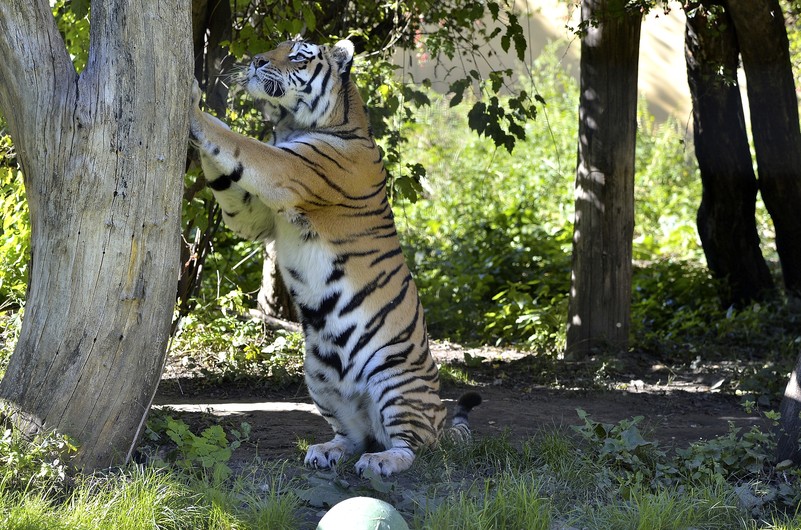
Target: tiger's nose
(258,62)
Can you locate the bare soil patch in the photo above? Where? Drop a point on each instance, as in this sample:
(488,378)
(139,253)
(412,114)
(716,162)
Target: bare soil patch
(522,394)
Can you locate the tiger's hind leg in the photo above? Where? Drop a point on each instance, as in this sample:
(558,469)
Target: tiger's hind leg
(408,423)
(387,462)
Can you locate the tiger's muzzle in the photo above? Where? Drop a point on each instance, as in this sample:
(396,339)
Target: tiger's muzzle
(270,80)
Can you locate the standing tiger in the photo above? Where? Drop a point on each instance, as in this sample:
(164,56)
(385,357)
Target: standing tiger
(319,190)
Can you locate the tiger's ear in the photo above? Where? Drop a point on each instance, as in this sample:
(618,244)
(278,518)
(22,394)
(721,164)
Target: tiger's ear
(343,55)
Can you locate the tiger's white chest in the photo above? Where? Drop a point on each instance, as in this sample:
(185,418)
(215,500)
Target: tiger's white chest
(308,267)
(306,262)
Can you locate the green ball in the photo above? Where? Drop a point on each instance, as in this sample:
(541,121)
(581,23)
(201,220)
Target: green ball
(362,513)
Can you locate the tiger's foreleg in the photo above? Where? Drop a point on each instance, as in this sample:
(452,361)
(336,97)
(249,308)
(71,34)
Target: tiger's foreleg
(242,212)
(240,168)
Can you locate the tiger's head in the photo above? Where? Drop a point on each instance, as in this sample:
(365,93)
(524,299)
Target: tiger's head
(299,77)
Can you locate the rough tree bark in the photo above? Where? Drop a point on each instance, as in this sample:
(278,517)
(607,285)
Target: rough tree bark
(103,179)
(600,293)
(726,216)
(765,51)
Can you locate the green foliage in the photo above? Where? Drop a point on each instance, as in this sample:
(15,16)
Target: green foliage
(15,229)
(72,18)
(511,502)
(667,509)
(490,242)
(224,347)
(672,299)
(621,449)
(39,463)
(206,453)
(10,324)
(667,192)
(740,463)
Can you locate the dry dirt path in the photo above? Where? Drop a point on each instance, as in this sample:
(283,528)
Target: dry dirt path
(677,410)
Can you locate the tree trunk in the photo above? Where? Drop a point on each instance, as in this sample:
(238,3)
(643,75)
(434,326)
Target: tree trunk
(726,216)
(211,26)
(789,435)
(274,299)
(774,122)
(103,179)
(600,294)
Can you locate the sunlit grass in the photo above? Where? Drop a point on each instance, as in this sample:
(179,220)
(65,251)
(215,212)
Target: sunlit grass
(146,498)
(664,509)
(453,374)
(513,502)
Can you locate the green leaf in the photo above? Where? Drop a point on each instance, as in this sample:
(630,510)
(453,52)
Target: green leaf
(458,87)
(494,9)
(309,19)
(323,493)
(80,8)
(632,439)
(377,482)
(477,118)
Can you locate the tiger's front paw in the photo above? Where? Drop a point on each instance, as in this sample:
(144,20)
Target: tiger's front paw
(386,462)
(327,455)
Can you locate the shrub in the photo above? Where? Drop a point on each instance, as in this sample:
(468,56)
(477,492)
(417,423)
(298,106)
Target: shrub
(39,463)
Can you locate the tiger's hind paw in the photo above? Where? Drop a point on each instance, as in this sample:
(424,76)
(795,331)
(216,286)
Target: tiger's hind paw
(386,462)
(327,455)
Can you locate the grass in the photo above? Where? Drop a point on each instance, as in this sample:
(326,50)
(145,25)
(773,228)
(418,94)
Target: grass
(596,476)
(140,497)
(667,509)
(512,502)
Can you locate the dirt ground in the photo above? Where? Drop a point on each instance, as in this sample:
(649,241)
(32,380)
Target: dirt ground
(678,407)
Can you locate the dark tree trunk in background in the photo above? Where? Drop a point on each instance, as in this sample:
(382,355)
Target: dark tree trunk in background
(212,23)
(726,216)
(600,294)
(211,26)
(274,299)
(774,122)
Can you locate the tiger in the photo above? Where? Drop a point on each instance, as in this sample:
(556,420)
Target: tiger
(318,190)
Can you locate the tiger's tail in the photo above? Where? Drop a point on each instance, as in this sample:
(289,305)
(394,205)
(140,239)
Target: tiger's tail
(460,427)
